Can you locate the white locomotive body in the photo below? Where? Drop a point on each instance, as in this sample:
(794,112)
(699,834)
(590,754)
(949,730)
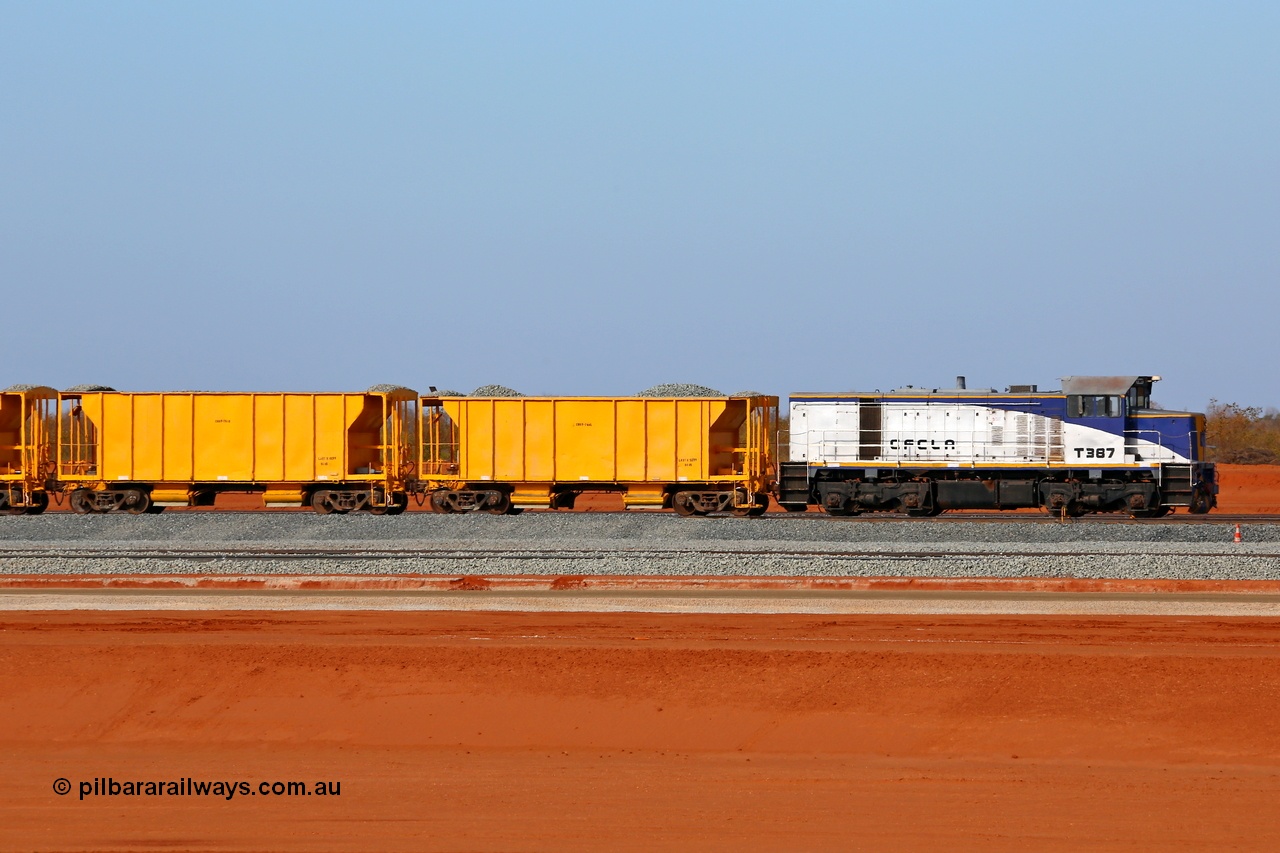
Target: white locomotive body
(1096,445)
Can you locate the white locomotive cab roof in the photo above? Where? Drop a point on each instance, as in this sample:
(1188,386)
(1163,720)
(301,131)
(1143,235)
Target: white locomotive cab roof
(1102,385)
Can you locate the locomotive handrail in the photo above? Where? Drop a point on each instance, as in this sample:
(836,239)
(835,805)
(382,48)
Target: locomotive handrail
(847,445)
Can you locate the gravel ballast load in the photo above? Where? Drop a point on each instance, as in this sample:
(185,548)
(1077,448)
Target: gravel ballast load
(617,544)
(680,389)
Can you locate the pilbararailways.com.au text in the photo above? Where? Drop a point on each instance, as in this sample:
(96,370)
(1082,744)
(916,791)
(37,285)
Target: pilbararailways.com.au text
(107,786)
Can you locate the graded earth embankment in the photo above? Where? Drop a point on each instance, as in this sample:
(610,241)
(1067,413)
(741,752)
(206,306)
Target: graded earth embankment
(528,731)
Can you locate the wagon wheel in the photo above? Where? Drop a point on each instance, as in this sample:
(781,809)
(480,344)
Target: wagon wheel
(322,503)
(501,506)
(137,502)
(81,502)
(681,503)
(794,507)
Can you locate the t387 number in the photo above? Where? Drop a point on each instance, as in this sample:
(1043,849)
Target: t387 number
(1095,452)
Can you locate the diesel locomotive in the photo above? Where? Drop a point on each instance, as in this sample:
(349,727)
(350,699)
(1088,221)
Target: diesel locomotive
(1096,445)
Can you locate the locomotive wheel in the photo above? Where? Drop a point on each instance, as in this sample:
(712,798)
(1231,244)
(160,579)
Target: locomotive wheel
(1158,512)
(1200,503)
(927,512)
(82,502)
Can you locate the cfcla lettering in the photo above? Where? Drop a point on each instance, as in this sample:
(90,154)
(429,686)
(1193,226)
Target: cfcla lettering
(922,444)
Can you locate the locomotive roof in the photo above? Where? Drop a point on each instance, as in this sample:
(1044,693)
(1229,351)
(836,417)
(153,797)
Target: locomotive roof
(1103,385)
(910,391)
(1092,385)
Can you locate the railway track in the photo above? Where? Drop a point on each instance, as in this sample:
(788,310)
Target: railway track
(563,554)
(945,518)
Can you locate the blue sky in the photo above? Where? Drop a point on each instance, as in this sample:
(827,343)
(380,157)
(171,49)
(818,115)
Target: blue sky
(598,197)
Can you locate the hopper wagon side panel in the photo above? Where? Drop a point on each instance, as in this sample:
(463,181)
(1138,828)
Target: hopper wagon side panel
(330,422)
(223,438)
(660,440)
(298,438)
(632,436)
(268,438)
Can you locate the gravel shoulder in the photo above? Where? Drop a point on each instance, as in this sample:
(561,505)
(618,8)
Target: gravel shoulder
(615,544)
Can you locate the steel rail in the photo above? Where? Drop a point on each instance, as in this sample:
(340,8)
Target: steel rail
(565,554)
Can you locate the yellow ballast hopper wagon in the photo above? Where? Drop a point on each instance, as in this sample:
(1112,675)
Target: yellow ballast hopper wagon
(28,415)
(136,452)
(691,454)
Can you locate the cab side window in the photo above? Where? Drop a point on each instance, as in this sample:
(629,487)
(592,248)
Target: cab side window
(1093,406)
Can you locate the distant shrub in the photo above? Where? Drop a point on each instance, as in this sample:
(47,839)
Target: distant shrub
(1242,435)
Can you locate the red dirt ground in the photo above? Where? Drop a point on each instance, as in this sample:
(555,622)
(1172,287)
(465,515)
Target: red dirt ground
(580,731)
(1249,489)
